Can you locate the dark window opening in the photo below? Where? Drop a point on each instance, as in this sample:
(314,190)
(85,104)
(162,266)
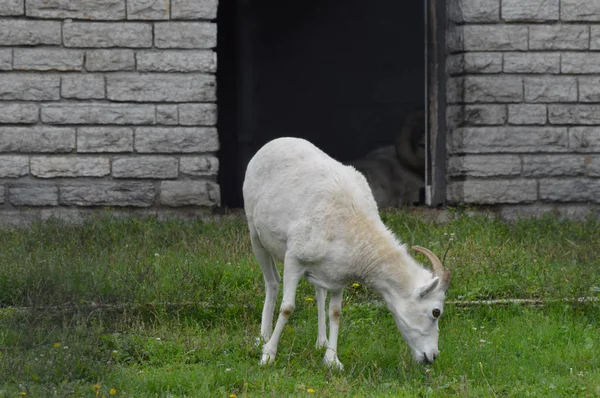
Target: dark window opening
(344,75)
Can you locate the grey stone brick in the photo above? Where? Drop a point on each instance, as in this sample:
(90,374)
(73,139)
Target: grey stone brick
(22,218)
(558,37)
(455,90)
(532,62)
(148,9)
(69,166)
(454,117)
(527,114)
(199,166)
(194,9)
(493,89)
(161,87)
(135,194)
(77,9)
(176,139)
(18,32)
(167,115)
(107,34)
(594,37)
(526,211)
(474,63)
(189,193)
(577,211)
(551,89)
(19,112)
(494,37)
(593,165)
(5,59)
(510,139)
(67,215)
(575,10)
(570,190)
(197,114)
(455,64)
(455,42)
(493,191)
(530,10)
(37,139)
(574,114)
(45,59)
(162,167)
(98,113)
(583,62)
(177,61)
(19,217)
(553,165)
(185,35)
(82,86)
(12,8)
(461,11)
(29,87)
(33,194)
(483,63)
(588,89)
(109,60)
(460,115)
(584,139)
(104,139)
(484,165)
(13,166)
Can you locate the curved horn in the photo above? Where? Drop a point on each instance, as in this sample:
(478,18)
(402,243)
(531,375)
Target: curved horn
(436,264)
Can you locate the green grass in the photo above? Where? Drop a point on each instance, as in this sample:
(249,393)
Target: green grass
(173,309)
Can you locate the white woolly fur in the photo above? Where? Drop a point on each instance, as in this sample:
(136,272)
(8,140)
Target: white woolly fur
(320,219)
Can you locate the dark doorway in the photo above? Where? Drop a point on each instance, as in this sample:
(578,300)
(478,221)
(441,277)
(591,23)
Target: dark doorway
(342,74)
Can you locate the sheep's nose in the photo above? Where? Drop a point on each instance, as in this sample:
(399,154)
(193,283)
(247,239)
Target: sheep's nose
(429,360)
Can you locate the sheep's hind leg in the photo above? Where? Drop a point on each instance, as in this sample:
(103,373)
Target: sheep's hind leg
(291,277)
(335,311)
(272,279)
(321,295)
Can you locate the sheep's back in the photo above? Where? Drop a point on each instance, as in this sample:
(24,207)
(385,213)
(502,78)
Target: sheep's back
(290,184)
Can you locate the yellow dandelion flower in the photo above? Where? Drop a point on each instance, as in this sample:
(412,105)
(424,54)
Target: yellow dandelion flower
(56,345)
(309,299)
(232,395)
(310,390)
(96,386)
(23,393)
(112,391)
(355,285)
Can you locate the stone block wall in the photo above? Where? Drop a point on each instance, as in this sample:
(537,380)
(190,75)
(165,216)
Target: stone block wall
(107,103)
(523,112)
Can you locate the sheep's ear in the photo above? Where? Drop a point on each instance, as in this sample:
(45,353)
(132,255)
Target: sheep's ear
(428,287)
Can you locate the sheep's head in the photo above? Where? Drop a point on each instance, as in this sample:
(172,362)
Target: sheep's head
(417,312)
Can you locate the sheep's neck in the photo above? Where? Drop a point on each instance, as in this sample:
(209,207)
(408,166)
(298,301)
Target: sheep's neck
(376,253)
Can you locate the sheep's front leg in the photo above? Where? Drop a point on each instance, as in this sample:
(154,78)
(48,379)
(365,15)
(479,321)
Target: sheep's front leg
(320,295)
(335,312)
(291,276)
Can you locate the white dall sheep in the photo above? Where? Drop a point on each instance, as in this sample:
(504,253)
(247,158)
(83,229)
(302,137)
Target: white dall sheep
(319,217)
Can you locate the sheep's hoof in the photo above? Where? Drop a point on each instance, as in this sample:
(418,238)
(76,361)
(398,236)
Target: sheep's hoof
(267,357)
(333,362)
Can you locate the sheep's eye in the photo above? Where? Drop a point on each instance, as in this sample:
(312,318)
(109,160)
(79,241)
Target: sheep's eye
(436,312)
